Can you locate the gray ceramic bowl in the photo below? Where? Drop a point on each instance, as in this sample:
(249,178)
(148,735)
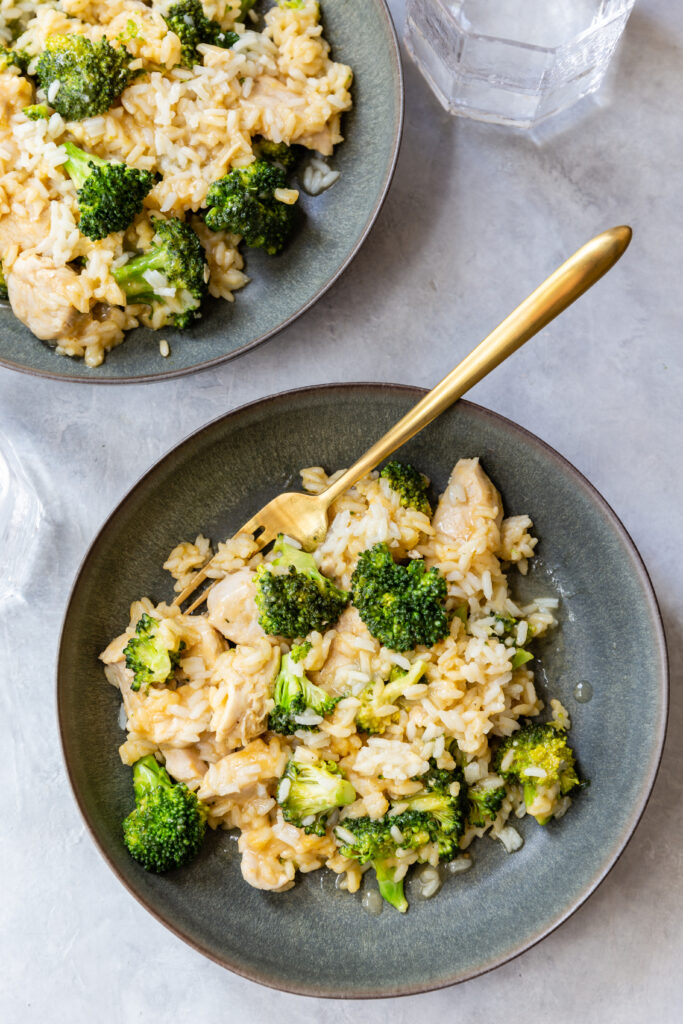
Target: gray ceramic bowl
(315,939)
(332,229)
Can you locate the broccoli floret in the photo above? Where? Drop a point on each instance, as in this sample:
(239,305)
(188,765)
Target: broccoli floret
(276,153)
(148,655)
(436,815)
(379,695)
(409,484)
(90,76)
(4,295)
(244,203)
(402,605)
(539,758)
(37,112)
(485,802)
(110,195)
(178,257)
(308,792)
(167,827)
(13,59)
(189,22)
(295,695)
(296,598)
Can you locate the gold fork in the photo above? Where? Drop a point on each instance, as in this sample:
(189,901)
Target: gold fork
(304,516)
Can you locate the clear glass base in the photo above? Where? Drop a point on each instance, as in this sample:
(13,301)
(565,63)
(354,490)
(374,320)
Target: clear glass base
(517,62)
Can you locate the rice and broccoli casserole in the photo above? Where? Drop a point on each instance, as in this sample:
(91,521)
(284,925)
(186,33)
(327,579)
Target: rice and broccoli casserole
(141,143)
(367,706)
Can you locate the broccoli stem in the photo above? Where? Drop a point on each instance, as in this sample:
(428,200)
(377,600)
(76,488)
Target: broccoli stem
(78,165)
(148,775)
(389,889)
(130,276)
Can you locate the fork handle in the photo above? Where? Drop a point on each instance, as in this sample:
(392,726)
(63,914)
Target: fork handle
(564,286)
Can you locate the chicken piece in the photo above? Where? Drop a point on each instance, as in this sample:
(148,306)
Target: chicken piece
(184,764)
(232,608)
(23,232)
(469,504)
(16,93)
(121,677)
(209,644)
(239,775)
(241,698)
(341,655)
(39,296)
(322,141)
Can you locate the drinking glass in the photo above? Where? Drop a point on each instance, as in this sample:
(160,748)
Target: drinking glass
(514,62)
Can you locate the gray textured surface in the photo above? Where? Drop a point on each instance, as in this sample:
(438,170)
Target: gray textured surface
(602,385)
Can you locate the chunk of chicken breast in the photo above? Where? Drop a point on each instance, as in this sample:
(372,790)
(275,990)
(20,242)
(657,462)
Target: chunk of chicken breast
(469,503)
(39,296)
(341,654)
(232,610)
(240,774)
(22,231)
(241,700)
(209,644)
(184,764)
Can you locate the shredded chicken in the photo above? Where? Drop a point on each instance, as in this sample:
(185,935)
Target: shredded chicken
(241,698)
(231,608)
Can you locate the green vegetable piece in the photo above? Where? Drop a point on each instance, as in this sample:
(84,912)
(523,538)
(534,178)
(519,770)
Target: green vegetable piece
(381,695)
(409,484)
(177,254)
(307,793)
(110,195)
(402,605)
(292,595)
(520,658)
(390,890)
(10,58)
(278,153)
(150,660)
(244,203)
(37,112)
(485,801)
(461,612)
(167,827)
(189,22)
(295,695)
(539,758)
(90,76)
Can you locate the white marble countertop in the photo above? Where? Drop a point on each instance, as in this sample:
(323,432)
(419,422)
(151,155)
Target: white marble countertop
(476,217)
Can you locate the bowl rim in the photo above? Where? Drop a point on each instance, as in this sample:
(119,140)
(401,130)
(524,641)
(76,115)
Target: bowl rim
(646,786)
(147,378)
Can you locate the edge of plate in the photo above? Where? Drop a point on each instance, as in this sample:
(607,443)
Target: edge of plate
(639,808)
(374,213)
